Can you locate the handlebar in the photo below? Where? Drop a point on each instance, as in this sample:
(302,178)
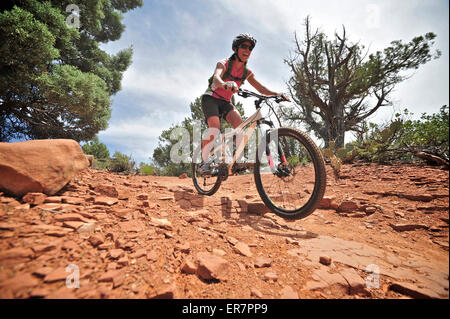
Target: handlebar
(245,93)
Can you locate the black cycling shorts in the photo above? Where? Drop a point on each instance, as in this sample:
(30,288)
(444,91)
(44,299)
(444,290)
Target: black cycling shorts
(212,106)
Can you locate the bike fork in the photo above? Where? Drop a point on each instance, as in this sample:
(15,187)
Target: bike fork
(273,169)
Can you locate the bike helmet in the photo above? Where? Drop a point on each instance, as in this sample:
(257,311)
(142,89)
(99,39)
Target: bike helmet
(241,38)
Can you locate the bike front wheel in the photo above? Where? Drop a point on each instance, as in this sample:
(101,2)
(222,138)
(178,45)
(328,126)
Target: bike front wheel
(290,173)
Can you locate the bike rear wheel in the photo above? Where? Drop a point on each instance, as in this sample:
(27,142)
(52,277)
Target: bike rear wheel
(293,184)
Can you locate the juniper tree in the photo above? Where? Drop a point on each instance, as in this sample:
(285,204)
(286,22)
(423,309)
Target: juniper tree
(55,81)
(336,84)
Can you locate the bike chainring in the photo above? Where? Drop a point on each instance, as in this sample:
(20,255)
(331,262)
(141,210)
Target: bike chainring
(223,171)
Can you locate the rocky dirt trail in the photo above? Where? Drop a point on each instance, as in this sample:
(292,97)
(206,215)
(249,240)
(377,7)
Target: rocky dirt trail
(381,232)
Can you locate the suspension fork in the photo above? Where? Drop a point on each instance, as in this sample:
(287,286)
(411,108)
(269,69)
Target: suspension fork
(267,151)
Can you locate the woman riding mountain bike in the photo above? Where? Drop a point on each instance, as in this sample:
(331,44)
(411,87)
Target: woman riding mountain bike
(228,76)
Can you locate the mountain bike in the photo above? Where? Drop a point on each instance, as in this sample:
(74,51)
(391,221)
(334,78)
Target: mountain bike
(289,169)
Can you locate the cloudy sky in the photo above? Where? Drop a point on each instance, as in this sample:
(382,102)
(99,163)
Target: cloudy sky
(177,44)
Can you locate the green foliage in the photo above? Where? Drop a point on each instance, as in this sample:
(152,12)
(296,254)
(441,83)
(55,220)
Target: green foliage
(429,134)
(94,147)
(402,138)
(120,163)
(296,160)
(381,143)
(55,81)
(146,169)
(293,160)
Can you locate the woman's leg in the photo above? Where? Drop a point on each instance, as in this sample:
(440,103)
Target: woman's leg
(234,118)
(213,131)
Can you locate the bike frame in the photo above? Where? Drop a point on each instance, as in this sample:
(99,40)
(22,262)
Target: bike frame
(253,122)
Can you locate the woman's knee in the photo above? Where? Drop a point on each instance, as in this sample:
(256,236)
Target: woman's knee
(214,122)
(234,118)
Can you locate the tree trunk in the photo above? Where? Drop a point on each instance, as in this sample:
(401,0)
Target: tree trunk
(336,130)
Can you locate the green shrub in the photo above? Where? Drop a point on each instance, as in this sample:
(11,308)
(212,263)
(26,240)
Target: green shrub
(101,163)
(94,147)
(430,134)
(402,138)
(173,169)
(145,169)
(120,163)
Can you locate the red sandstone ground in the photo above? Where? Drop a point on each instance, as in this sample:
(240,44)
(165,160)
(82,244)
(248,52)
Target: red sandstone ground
(382,233)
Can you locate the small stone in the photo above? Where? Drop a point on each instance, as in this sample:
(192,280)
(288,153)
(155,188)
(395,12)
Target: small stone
(53,199)
(56,233)
(116,253)
(185,248)
(72,200)
(243,249)
(117,277)
(86,228)
(414,291)
(397,213)
(188,267)
(43,248)
(102,200)
(211,266)
(72,225)
(289,293)
(256,293)
(261,262)
(70,217)
(123,261)
(163,223)
(270,276)
(165,292)
(325,260)
(152,256)
(326,202)
(292,242)
(408,227)
(355,282)
(140,253)
(96,240)
(233,241)
(57,275)
(347,206)
(370,210)
(142,197)
(34,198)
(121,212)
(107,190)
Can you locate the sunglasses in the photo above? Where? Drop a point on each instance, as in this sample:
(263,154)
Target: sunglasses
(245,47)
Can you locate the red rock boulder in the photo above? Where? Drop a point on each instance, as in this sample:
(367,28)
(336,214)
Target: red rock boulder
(39,166)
